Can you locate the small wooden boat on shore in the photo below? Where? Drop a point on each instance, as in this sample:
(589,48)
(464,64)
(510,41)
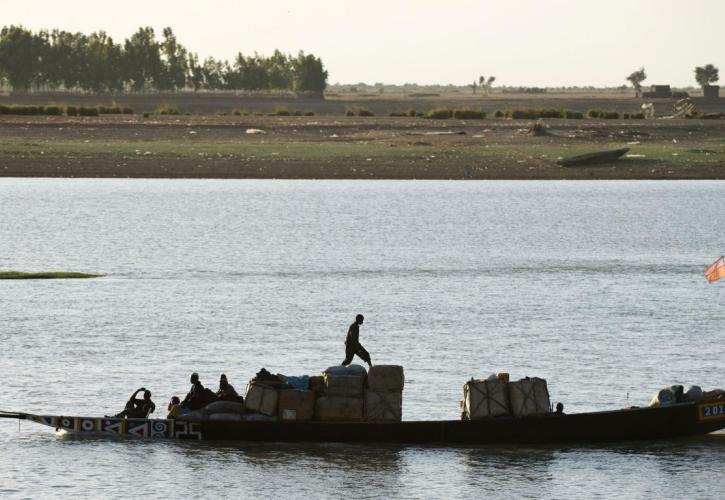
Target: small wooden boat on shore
(685,419)
(593,158)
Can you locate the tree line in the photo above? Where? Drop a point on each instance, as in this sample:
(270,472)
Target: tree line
(704,76)
(61,60)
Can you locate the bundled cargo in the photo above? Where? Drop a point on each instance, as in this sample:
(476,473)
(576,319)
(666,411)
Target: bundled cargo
(345,381)
(529,396)
(485,398)
(219,410)
(386,378)
(384,405)
(317,385)
(262,399)
(295,404)
(335,408)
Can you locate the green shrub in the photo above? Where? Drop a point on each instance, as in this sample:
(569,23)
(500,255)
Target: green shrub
(469,114)
(610,115)
(573,115)
(109,110)
(398,113)
(522,113)
(412,112)
(499,114)
(364,112)
(637,116)
(280,111)
(258,113)
(439,113)
(52,110)
(22,109)
(309,113)
(625,116)
(71,110)
(88,111)
(146,114)
(420,114)
(551,113)
(126,111)
(4,110)
(167,110)
(221,113)
(594,113)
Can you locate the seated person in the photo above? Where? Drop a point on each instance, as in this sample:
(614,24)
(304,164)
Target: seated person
(174,407)
(199,396)
(226,391)
(138,408)
(559,409)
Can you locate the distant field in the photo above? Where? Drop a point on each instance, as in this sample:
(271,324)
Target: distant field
(380,105)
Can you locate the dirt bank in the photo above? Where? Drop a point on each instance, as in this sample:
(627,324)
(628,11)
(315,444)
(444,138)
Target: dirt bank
(208,146)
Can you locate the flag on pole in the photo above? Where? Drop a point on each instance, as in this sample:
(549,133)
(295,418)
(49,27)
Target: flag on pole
(716,270)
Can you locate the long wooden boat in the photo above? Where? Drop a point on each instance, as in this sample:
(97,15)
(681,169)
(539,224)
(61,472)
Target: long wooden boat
(686,419)
(593,158)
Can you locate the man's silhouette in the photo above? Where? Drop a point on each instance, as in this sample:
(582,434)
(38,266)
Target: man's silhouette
(352,343)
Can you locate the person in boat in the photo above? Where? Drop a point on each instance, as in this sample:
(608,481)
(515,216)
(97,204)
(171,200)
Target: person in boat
(198,396)
(352,343)
(226,391)
(174,407)
(559,409)
(138,407)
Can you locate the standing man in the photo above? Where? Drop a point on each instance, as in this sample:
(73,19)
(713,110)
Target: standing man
(352,343)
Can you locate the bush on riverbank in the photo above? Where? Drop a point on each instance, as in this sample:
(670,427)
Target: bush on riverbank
(536,113)
(167,110)
(358,112)
(469,114)
(606,115)
(439,114)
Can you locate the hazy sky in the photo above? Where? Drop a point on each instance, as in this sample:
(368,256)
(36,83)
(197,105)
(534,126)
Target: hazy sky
(521,42)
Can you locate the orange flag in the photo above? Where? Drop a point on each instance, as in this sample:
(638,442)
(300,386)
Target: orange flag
(716,270)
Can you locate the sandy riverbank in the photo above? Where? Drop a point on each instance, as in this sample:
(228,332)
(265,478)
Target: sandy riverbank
(210,146)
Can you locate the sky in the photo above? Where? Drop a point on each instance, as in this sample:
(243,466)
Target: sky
(520,42)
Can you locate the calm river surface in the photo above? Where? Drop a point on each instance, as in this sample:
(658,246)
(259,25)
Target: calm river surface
(595,286)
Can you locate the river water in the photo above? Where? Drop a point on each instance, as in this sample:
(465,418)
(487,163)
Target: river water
(595,286)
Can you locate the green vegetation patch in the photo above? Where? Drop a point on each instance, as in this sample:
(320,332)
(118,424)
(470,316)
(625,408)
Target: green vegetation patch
(17,275)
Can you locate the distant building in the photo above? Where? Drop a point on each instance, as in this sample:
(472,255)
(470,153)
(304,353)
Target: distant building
(658,91)
(711,91)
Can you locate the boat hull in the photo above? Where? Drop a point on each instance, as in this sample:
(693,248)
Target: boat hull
(609,426)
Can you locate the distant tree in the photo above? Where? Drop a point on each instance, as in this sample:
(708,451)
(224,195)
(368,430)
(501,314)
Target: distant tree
(310,75)
(195,78)
(637,78)
(142,59)
(103,64)
(705,75)
(20,56)
(279,70)
(474,85)
(174,64)
(213,73)
(489,83)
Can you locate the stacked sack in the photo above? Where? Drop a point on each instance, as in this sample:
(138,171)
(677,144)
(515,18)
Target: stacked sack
(344,388)
(496,397)
(275,396)
(384,393)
